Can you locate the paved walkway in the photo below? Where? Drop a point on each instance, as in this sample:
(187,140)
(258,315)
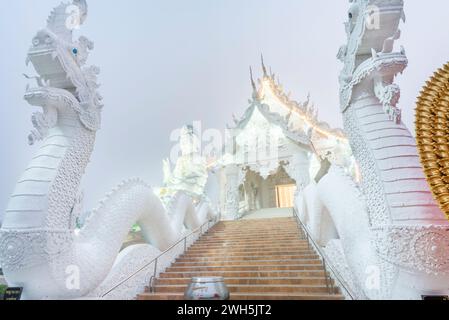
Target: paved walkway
(269,213)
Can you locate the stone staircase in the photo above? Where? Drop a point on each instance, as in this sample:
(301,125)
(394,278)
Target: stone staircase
(260,260)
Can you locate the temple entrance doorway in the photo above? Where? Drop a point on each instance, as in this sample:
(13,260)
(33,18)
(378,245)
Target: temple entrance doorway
(277,191)
(285,196)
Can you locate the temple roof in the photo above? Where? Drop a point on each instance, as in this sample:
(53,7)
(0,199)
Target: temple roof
(277,107)
(299,137)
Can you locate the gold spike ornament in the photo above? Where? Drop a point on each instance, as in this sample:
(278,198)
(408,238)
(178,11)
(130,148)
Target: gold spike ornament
(432,130)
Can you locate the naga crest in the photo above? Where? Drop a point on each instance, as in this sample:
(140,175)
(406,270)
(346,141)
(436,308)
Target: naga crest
(372,29)
(63,80)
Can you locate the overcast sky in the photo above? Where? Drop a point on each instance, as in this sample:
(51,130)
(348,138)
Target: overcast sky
(169,62)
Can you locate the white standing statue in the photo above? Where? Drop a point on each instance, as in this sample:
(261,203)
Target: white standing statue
(387,232)
(40,247)
(189,176)
(190,173)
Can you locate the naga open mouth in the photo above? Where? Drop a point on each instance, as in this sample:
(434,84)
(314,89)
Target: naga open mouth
(47,56)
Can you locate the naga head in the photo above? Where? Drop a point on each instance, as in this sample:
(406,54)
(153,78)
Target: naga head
(372,29)
(370,23)
(63,79)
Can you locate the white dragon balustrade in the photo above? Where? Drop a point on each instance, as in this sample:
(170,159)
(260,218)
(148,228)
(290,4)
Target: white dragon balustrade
(40,247)
(394,239)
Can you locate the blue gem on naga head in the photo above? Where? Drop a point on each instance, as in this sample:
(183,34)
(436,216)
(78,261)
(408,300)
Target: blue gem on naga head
(75,51)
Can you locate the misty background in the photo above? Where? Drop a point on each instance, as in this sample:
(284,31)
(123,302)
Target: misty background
(167,63)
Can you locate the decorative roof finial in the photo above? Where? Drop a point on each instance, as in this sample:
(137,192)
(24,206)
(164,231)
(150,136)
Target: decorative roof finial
(307,102)
(265,73)
(253,84)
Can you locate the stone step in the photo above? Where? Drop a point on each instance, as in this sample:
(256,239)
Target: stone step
(253,238)
(269,250)
(239,251)
(244,274)
(248,263)
(253,288)
(261,245)
(251,241)
(227,259)
(279,238)
(319,281)
(240,232)
(268,228)
(250,296)
(255,268)
(243,234)
(258,221)
(275,253)
(290,245)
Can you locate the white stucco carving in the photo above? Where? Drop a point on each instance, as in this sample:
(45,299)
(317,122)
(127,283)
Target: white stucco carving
(389,222)
(40,247)
(276,135)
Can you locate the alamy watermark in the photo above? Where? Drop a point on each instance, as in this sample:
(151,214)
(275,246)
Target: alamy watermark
(73,21)
(73,277)
(372,18)
(373,282)
(252,145)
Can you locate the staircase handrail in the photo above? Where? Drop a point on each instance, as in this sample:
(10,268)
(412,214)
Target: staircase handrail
(210,223)
(327,264)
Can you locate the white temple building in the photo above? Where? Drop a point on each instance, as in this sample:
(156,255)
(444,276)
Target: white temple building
(275,150)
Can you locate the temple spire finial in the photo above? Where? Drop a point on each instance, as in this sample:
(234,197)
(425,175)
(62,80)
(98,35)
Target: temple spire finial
(253,83)
(307,102)
(264,68)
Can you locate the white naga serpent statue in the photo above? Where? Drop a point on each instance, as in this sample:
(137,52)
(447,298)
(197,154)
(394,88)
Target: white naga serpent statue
(39,241)
(392,237)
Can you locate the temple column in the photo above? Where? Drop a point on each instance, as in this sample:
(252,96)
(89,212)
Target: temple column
(232,192)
